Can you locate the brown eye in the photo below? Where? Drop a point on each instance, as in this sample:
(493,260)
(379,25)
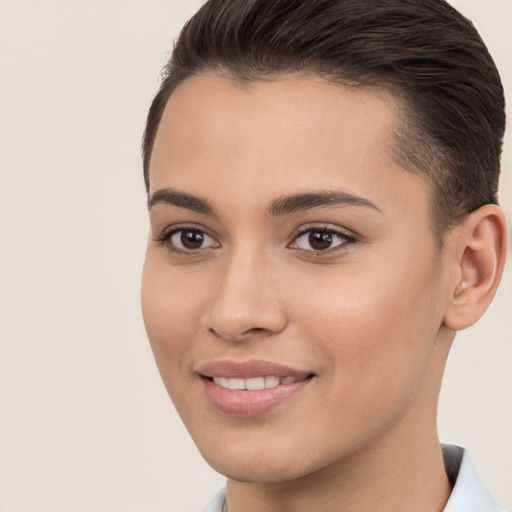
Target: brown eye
(191,240)
(318,240)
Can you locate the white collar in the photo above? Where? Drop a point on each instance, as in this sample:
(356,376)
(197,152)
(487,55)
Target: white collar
(469,492)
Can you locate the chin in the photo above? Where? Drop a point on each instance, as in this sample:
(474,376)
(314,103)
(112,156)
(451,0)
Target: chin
(265,470)
(246,466)
(271,463)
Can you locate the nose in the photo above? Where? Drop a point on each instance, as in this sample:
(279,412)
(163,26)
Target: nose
(245,301)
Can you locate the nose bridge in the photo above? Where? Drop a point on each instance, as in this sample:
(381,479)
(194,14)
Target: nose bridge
(245,300)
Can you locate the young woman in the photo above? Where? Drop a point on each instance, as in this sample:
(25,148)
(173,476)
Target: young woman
(322,180)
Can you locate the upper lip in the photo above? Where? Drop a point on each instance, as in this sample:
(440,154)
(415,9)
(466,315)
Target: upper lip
(248,369)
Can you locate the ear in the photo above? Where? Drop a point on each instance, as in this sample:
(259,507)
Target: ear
(480,245)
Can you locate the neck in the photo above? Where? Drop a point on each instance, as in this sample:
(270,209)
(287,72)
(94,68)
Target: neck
(389,479)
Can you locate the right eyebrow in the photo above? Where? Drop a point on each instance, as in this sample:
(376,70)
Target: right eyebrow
(182,200)
(306,201)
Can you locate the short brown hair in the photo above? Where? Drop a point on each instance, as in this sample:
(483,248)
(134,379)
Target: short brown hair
(427,52)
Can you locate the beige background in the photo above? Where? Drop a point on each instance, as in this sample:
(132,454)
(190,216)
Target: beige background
(85,424)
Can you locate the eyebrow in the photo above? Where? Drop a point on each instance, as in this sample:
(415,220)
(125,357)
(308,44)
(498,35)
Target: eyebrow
(182,200)
(282,206)
(299,202)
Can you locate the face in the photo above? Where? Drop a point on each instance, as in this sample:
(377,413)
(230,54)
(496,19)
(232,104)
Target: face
(293,291)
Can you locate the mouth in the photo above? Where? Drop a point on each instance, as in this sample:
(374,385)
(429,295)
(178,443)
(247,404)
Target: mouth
(256,383)
(251,388)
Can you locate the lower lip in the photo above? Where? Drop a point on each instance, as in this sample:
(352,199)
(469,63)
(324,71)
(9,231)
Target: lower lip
(249,403)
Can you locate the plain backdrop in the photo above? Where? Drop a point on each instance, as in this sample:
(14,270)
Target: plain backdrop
(85,423)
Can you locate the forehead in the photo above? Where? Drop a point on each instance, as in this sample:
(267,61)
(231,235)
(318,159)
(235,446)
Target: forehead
(269,138)
(286,115)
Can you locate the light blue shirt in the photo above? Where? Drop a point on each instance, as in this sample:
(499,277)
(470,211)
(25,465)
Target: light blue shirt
(469,492)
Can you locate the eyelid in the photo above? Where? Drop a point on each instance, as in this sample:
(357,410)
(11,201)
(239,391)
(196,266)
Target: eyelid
(169,230)
(167,233)
(349,237)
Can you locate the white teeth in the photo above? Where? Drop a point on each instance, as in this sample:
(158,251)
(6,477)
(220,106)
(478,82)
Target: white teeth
(221,381)
(271,382)
(253,383)
(236,383)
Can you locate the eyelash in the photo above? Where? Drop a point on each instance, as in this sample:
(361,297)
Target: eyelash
(345,239)
(165,239)
(166,236)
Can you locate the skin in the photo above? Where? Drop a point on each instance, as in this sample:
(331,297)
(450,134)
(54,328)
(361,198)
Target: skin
(372,317)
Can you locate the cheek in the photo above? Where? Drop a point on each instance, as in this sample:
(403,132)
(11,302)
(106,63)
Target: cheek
(169,311)
(374,328)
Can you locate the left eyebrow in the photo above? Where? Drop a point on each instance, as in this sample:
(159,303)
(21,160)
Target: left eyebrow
(182,200)
(299,202)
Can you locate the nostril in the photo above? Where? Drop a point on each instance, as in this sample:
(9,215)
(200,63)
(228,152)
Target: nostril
(254,331)
(244,321)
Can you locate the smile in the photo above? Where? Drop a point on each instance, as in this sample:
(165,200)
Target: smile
(255,383)
(251,388)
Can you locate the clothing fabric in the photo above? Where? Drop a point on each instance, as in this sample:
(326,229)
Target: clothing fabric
(469,493)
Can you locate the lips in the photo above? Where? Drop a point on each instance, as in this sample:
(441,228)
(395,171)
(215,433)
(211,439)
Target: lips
(251,388)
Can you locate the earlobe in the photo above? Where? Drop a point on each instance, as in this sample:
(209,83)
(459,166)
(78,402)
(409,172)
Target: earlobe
(481,246)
